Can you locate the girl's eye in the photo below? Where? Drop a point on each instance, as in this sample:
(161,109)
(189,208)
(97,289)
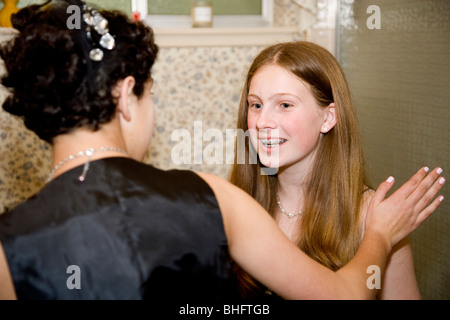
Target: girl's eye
(256,105)
(286,105)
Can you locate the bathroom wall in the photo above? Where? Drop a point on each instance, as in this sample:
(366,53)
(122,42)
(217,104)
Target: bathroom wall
(400,79)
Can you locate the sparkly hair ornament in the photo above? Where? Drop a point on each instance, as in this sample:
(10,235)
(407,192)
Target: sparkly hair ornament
(98,33)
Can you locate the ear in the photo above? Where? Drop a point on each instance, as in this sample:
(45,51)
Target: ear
(124,88)
(329,119)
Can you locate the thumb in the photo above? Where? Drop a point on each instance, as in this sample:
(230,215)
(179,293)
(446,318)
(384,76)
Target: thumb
(380,193)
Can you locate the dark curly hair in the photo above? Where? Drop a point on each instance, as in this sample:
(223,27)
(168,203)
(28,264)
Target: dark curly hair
(55,86)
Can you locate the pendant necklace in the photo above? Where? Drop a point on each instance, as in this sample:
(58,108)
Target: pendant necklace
(88,153)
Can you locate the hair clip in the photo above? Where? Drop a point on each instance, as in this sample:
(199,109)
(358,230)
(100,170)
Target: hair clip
(97,23)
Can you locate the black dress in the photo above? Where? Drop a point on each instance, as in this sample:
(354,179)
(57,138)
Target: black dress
(129,231)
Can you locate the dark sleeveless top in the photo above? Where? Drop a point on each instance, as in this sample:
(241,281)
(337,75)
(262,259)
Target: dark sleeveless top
(129,231)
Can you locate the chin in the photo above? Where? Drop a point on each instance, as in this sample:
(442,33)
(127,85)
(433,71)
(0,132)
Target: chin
(269,162)
(268,170)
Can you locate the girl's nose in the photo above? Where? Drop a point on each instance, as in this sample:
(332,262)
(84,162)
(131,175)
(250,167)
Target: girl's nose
(266,120)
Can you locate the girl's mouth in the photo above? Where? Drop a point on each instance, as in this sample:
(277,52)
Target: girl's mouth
(272,143)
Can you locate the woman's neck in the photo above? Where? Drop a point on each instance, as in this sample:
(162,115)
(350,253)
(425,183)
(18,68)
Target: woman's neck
(80,146)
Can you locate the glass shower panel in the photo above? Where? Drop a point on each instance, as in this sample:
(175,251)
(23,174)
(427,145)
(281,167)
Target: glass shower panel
(399,75)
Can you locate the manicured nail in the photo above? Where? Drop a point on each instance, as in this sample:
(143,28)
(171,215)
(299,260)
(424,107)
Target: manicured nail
(442,180)
(441,198)
(390,179)
(439,170)
(426,169)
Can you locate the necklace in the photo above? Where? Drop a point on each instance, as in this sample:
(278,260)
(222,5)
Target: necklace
(88,153)
(287,213)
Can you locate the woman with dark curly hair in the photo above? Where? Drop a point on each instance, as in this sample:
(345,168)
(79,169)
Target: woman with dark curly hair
(107,226)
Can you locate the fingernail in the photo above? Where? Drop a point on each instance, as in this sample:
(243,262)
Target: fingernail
(439,170)
(442,180)
(441,198)
(390,179)
(426,169)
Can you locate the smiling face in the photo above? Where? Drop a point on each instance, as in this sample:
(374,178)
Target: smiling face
(284,119)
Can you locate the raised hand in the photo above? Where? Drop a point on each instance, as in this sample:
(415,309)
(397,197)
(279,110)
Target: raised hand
(401,213)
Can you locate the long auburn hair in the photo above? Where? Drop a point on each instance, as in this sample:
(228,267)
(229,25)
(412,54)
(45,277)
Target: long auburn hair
(330,231)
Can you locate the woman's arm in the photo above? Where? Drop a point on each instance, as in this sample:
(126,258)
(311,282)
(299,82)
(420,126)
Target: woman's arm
(260,248)
(7,291)
(399,281)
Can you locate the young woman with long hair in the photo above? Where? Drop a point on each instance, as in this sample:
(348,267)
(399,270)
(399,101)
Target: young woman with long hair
(297,108)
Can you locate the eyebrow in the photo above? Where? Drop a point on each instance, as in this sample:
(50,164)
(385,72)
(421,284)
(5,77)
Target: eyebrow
(275,95)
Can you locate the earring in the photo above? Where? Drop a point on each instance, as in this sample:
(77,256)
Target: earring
(325,130)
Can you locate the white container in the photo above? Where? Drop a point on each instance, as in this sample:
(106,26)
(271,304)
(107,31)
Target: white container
(202,14)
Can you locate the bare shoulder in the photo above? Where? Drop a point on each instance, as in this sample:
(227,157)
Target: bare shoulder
(211,179)
(231,198)
(222,188)
(239,210)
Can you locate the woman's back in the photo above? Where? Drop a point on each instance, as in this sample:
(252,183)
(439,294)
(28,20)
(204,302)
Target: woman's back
(129,231)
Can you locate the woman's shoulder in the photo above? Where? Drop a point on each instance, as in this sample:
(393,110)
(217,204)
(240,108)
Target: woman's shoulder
(222,188)
(225,190)
(239,210)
